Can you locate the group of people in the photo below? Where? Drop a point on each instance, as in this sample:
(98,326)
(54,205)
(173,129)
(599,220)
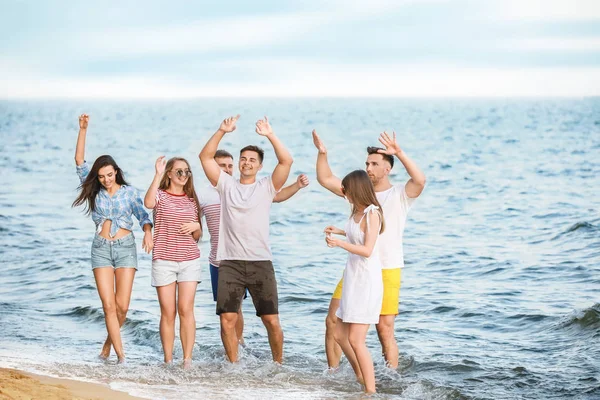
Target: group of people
(237,213)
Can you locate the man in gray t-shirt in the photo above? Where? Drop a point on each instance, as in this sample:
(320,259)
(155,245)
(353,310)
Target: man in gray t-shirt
(244,252)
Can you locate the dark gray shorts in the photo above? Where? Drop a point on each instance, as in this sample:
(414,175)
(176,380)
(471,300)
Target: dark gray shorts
(257,276)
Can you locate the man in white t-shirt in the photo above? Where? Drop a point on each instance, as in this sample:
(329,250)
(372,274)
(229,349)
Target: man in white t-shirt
(244,252)
(396,201)
(210,206)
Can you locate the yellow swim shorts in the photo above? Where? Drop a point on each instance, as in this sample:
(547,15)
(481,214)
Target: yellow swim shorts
(391,290)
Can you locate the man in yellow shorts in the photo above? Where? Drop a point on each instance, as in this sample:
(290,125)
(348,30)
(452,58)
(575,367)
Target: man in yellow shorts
(396,201)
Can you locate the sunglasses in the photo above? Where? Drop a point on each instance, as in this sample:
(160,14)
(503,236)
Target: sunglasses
(181,172)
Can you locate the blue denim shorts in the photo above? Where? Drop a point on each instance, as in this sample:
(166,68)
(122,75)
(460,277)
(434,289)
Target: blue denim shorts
(119,253)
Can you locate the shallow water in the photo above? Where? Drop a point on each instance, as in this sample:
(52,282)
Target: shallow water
(500,296)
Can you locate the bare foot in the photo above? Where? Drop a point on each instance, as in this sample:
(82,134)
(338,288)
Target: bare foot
(360,380)
(105,352)
(187,363)
(121,360)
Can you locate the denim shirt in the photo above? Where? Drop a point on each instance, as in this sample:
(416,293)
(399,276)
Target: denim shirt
(118,208)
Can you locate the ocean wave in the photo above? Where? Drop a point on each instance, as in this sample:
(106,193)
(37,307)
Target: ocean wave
(442,309)
(586,226)
(579,227)
(588,319)
(528,317)
(87,313)
(298,299)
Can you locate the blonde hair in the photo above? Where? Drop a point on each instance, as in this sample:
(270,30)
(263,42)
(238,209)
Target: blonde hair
(188,188)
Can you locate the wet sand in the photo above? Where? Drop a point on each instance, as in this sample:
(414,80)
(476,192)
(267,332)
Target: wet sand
(19,385)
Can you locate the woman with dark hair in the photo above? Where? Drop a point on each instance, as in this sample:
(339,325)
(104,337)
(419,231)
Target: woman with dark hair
(362,293)
(176,256)
(111,202)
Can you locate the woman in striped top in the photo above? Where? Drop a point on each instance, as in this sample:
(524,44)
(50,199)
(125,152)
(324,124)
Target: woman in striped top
(175,257)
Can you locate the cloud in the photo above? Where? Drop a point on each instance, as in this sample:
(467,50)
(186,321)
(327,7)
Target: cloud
(242,32)
(327,48)
(225,34)
(555,44)
(301,79)
(544,10)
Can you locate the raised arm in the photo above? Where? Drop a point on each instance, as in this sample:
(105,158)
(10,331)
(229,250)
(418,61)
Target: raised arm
(80,148)
(207,155)
(363,250)
(284,158)
(150,198)
(324,175)
(289,191)
(416,183)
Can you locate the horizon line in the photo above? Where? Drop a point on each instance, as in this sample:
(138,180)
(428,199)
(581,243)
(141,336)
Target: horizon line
(303,96)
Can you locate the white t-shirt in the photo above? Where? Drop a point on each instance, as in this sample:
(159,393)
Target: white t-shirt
(245,215)
(395,204)
(210,208)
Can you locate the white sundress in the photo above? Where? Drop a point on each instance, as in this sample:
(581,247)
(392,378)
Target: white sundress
(362,292)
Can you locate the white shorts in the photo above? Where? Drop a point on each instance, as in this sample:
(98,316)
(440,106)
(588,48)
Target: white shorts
(166,272)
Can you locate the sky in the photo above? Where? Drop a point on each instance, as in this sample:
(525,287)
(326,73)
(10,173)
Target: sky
(314,48)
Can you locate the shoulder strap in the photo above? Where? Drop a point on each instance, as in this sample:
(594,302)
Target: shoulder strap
(372,208)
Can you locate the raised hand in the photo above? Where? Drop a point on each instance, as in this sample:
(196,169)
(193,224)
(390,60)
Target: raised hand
(333,230)
(160,165)
(391,146)
(83,121)
(302,181)
(263,127)
(228,124)
(318,143)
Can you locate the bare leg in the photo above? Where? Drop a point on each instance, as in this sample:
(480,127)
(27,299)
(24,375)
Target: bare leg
(239,326)
(275,333)
(357,336)
(168,311)
(105,283)
(229,336)
(332,348)
(187,320)
(389,347)
(342,338)
(124,284)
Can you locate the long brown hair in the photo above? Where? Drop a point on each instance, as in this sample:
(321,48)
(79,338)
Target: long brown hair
(359,188)
(91,186)
(188,188)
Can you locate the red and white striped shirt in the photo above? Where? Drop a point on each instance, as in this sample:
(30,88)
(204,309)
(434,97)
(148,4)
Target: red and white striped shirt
(170,212)
(210,206)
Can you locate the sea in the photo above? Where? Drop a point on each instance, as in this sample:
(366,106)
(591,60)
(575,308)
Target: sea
(500,294)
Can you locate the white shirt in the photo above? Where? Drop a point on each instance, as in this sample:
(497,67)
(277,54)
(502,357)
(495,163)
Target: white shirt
(245,217)
(395,204)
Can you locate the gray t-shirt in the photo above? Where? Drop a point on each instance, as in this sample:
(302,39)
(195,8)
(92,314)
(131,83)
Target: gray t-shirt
(245,215)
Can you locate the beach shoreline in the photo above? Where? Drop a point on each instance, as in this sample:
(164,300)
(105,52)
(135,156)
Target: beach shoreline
(17,384)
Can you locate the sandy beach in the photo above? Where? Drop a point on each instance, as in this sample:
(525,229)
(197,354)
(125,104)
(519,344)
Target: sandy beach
(19,385)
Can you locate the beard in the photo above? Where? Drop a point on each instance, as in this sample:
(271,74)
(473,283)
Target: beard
(374,180)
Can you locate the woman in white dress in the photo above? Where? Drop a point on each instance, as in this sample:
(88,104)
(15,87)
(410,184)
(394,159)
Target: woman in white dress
(362,293)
